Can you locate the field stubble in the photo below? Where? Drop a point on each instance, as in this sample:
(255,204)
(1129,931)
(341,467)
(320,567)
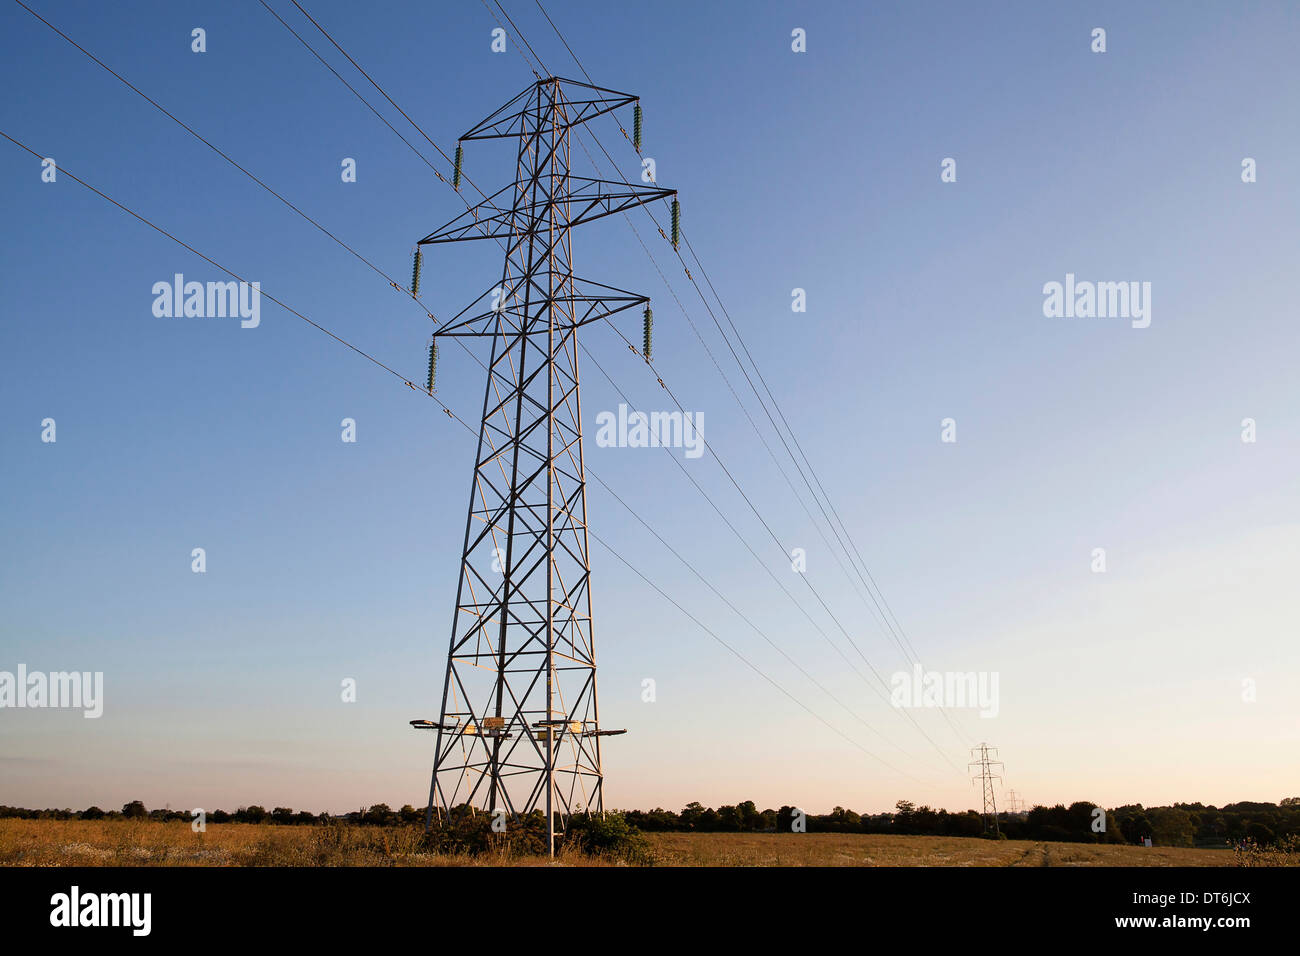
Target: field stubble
(151,843)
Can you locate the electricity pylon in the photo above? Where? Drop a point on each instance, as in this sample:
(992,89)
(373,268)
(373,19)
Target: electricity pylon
(519,728)
(986,777)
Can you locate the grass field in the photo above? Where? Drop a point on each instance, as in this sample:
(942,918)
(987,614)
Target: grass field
(869,849)
(149,843)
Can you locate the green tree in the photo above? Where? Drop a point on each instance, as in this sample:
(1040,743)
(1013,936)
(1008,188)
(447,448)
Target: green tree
(134,810)
(729,819)
(1171,827)
(904,816)
(692,814)
(1260,833)
(253,814)
(926,820)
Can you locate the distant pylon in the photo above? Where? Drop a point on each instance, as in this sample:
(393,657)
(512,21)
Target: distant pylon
(1014,803)
(986,778)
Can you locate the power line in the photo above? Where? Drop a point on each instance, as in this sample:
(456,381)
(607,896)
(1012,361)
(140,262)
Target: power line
(562,40)
(370,358)
(189,129)
(710,632)
(520,34)
(723,375)
(744,347)
(810,585)
(467,350)
(880,619)
(886,611)
(327,66)
(887,614)
(725,380)
(748,501)
(906,715)
(347,247)
(367,76)
(294,208)
(733,529)
(229,272)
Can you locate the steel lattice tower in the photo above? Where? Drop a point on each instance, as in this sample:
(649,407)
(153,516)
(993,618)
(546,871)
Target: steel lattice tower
(519,728)
(986,777)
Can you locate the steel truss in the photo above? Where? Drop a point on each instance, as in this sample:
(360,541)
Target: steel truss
(519,729)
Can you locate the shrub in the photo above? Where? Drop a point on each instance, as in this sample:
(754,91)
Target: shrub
(468,830)
(1285,852)
(608,834)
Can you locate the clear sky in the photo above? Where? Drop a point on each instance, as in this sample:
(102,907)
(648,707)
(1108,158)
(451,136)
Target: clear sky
(818,170)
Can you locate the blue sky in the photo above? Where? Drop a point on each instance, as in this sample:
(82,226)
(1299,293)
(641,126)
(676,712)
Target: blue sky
(817,170)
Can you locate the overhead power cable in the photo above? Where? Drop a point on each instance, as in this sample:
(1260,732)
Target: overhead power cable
(886,612)
(907,716)
(230,272)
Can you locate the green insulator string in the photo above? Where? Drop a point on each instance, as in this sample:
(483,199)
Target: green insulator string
(416,265)
(433,365)
(647,334)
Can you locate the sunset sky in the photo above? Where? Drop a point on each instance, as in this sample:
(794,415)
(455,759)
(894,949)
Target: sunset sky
(1173,676)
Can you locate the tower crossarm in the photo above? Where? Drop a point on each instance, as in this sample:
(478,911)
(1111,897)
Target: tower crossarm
(586,200)
(582,102)
(584,302)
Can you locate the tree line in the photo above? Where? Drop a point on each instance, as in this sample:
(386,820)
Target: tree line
(378,815)
(1183,824)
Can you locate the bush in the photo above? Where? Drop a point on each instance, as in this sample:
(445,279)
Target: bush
(253,814)
(465,829)
(1260,834)
(468,830)
(608,834)
(1285,852)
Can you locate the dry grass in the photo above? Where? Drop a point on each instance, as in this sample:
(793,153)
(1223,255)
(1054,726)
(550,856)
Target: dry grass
(871,849)
(148,843)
